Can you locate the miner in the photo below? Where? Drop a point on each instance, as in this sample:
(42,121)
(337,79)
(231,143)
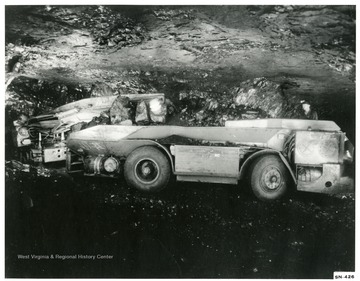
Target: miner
(309,113)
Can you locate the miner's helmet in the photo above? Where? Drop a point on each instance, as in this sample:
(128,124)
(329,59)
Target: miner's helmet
(305,105)
(305,102)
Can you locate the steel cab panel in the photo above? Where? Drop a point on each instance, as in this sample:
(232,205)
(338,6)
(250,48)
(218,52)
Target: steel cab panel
(108,138)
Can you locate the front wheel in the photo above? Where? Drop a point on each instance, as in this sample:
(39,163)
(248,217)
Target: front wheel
(147,169)
(269,178)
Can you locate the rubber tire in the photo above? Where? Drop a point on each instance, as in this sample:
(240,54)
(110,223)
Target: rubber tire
(153,154)
(257,174)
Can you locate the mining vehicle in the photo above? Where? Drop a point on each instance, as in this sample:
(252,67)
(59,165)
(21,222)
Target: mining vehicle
(274,155)
(42,138)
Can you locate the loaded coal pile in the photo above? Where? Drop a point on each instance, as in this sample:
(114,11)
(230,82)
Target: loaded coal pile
(128,110)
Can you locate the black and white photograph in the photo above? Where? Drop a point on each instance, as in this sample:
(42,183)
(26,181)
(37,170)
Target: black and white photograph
(179,141)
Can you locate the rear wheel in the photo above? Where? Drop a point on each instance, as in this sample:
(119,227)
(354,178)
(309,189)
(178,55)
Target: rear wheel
(269,178)
(147,169)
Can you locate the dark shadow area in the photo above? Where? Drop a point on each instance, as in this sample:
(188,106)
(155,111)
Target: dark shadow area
(187,231)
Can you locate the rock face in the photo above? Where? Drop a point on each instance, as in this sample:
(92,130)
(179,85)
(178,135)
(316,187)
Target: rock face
(263,94)
(257,61)
(107,27)
(101,90)
(26,95)
(252,99)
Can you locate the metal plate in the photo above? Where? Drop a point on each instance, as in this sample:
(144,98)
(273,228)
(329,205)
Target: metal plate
(327,183)
(207,161)
(54,154)
(314,148)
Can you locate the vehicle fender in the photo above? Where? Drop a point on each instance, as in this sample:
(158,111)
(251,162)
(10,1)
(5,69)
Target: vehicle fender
(245,166)
(165,150)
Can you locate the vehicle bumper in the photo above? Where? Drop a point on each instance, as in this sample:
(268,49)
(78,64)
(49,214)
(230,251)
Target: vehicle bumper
(330,182)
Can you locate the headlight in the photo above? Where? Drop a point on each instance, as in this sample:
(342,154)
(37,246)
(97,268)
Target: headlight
(101,165)
(23,131)
(26,142)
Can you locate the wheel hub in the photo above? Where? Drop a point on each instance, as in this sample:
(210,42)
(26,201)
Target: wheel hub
(147,171)
(272,179)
